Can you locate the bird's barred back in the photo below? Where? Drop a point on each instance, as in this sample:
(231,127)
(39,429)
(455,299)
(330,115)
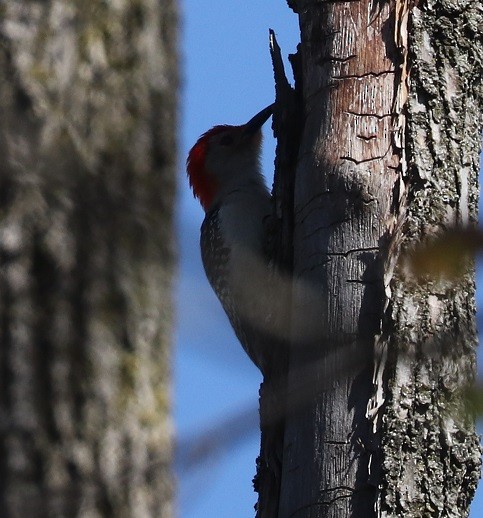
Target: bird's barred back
(216,261)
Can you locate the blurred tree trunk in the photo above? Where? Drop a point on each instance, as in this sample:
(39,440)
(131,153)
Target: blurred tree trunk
(377,424)
(88,113)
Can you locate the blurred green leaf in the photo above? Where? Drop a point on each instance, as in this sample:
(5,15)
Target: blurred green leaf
(447,256)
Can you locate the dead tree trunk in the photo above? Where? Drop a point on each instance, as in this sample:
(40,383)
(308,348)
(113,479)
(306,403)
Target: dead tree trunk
(376,424)
(87,146)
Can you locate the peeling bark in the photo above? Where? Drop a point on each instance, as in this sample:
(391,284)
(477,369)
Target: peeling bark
(377,424)
(431,452)
(87,139)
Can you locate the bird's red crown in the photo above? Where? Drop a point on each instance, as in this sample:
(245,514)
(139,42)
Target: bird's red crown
(201,181)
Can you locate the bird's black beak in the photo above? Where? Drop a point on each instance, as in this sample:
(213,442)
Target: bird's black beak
(256,122)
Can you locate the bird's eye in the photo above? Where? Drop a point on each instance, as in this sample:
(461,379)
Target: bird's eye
(226,140)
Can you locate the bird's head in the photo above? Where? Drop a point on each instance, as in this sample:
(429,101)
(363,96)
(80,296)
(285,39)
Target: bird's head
(225,157)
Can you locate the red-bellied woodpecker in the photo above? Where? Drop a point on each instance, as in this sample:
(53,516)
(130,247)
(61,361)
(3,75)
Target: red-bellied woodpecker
(224,172)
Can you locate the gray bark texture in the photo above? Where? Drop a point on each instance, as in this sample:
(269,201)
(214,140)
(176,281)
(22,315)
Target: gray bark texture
(88,113)
(431,454)
(377,423)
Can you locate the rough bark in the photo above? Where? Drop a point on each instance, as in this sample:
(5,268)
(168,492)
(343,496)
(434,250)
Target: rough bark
(389,155)
(87,140)
(431,453)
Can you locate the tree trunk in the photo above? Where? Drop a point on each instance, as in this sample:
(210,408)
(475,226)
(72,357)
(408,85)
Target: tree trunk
(376,423)
(431,455)
(87,139)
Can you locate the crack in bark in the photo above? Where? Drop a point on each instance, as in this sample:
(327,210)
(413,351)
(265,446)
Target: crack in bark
(376,115)
(328,503)
(368,201)
(361,76)
(331,59)
(377,157)
(318,229)
(354,250)
(329,256)
(365,138)
(355,161)
(315,197)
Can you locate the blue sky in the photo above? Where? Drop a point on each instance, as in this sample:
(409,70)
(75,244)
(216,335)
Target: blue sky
(227,77)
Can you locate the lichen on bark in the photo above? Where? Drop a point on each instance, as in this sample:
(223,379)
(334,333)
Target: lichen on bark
(431,452)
